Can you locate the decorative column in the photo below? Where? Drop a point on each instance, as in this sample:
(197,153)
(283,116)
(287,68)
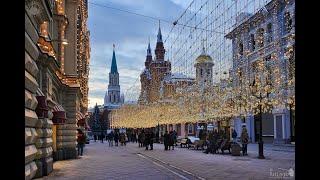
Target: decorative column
(44,158)
(31,118)
(183,130)
(67,132)
(279,126)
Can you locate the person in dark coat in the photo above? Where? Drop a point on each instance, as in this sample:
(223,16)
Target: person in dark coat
(171,140)
(166,139)
(122,138)
(116,138)
(234,136)
(141,139)
(101,137)
(110,138)
(95,137)
(151,140)
(147,139)
(175,136)
(215,141)
(81,140)
(200,134)
(211,142)
(244,140)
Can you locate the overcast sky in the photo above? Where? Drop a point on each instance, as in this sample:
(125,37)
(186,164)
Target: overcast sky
(130,35)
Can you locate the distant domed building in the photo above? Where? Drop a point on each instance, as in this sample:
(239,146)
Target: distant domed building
(203,65)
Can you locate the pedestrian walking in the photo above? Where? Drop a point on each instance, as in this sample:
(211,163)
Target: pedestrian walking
(137,137)
(122,138)
(152,136)
(110,138)
(141,139)
(133,137)
(211,145)
(95,137)
(171,140)
(116,138)
(234,136)
(101,137)
(166,139)
(81,140)
(244,140)
(147,139)
(175,135)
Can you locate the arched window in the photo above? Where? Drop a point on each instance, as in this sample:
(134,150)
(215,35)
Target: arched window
(241,48)
(260,37)
(110,98)
(114,98)
(201,72)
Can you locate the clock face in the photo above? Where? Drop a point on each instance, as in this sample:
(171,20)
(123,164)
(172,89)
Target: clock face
(34,7)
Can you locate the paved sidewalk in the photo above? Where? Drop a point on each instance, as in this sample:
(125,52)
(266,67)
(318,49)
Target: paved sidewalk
(132,162)
(101,162)
(218,166)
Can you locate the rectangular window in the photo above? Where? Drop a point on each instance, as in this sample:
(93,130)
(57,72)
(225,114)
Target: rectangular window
(252,42)
(260,37)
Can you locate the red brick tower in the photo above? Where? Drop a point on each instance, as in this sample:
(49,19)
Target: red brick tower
(158,68)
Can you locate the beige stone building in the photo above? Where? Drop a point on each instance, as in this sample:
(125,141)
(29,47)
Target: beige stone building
(57,57)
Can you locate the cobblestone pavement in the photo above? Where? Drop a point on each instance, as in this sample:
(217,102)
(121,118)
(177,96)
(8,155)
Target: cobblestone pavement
(130,162)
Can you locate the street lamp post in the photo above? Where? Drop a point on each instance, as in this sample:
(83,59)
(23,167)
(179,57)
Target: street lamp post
(260,97)
(291,104)
(261,156)
(291,124)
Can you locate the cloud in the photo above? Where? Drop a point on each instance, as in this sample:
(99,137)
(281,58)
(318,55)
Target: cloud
(182,3)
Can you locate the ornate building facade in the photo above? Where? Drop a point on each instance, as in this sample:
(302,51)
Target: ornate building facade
(267,36)
(57,58)
(154,72)
(160,85)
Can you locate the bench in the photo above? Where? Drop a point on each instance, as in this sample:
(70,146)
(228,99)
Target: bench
(183,142)
(225,145)
(199,143)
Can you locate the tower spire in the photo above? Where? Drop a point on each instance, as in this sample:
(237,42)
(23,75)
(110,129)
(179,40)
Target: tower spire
(203,48)
(159,36)
(149,49)
(114,68)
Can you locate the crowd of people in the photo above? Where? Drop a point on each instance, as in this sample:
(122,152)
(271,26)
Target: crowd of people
(146,137)
(215,140)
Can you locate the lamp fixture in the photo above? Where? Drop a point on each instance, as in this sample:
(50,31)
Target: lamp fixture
(63,41)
